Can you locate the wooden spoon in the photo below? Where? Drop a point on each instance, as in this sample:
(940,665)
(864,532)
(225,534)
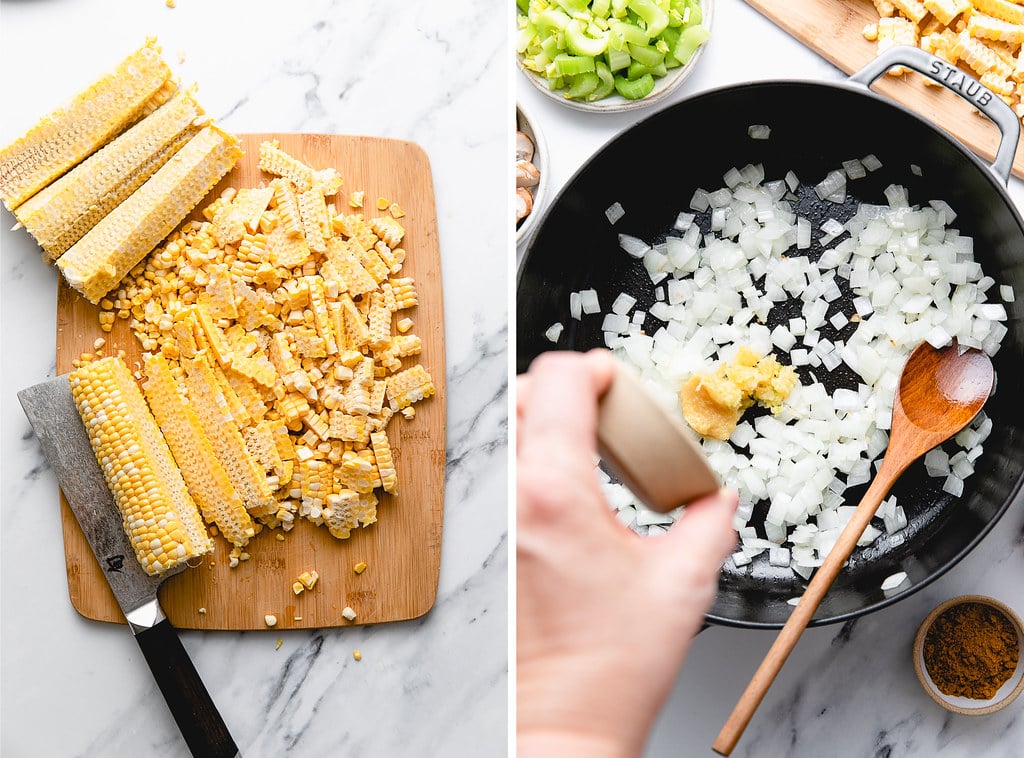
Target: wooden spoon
(940,391)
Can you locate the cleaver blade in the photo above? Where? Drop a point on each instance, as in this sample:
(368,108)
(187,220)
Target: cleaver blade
(51,410)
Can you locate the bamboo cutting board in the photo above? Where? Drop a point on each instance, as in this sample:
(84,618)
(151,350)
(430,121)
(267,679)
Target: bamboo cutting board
(403,549)
(834,29)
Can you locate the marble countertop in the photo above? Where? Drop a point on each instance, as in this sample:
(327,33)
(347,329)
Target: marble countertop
(846,690)
(437,685)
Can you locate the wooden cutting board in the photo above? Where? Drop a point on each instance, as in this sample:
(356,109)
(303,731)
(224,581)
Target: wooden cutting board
(403,549)
(835,30)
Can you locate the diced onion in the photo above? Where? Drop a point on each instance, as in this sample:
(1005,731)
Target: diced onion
(614,212)
(908,276)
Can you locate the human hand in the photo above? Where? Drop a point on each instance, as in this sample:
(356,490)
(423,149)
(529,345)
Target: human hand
(604,617)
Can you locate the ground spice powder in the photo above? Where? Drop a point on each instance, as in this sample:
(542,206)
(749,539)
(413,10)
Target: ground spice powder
(971,650)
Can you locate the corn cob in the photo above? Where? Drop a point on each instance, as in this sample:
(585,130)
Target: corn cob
(96,263)
(76,129)
(160,518)
(207,481)
(986,27)
(409,386)
(1004,9)
(61,213)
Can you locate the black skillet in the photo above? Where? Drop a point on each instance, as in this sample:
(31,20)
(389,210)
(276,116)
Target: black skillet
(653,168)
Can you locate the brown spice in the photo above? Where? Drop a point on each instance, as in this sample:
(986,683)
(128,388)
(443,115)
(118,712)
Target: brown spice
(971,650)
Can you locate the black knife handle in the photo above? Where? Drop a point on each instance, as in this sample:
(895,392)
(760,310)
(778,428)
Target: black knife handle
(193,709)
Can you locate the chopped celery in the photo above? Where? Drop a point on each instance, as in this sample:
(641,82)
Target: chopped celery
(590,49)
(628,32)
(550,20)
(655,19)
(645,55)
(566,64)
(689,40)
(617,59)
(606,85)
(637,69)
(634,89)
(580,44)
(582,85)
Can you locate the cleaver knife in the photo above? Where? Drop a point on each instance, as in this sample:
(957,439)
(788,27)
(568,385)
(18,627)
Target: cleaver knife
(54,417)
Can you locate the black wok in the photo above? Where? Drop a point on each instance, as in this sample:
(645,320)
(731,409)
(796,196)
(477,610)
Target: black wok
(814,127)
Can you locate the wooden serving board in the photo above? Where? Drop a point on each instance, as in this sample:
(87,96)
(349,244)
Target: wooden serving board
(835,30)
(403,549)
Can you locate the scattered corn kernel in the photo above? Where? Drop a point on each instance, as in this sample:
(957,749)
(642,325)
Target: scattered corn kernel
(359,567)
(297,588)
(171,3)
(396,211)
(279,537)
(308,579)
(296,618)
(270,619)
(349,614)
(356,199)
(382,203)
(280,641)
(357,654)
(202,610)
(404,325)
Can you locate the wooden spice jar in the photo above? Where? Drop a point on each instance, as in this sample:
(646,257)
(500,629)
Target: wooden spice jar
(967,655)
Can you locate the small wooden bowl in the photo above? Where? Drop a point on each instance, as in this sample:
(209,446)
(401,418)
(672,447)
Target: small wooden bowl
(962,705)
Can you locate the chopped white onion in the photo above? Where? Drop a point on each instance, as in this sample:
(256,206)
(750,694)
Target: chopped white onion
(911,278)
(554,331)
(759,131)
(614,212)
(893,581)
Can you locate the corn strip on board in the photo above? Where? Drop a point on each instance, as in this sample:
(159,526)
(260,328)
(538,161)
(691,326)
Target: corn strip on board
(402,550)
(835,30)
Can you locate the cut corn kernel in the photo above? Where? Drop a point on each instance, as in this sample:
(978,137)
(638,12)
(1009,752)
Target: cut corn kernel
(270,620)
(357,654)
(359,567)
(348,613)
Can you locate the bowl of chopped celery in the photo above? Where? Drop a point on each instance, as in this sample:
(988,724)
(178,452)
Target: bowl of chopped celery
(610,56)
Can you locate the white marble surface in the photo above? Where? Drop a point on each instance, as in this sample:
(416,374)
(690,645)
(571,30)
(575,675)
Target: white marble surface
(436,74)
(846,690)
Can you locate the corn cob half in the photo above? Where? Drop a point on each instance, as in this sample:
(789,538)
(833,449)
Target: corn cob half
(75,130)
(96,263)
(159,516)
(207,481)
(61,213)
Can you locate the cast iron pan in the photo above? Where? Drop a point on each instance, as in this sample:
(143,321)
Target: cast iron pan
(653,168)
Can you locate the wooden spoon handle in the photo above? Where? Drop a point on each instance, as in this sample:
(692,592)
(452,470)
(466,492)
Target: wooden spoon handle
(804,611)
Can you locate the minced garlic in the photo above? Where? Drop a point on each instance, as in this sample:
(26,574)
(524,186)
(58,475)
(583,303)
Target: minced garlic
(713,403)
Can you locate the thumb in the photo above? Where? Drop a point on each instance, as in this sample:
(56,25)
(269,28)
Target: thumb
(704,532)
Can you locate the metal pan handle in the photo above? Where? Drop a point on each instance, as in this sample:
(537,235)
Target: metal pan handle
(956,81)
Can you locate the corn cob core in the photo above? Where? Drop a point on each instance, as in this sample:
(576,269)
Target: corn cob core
(160,518)
(75,130)
(96,263)
(61,213)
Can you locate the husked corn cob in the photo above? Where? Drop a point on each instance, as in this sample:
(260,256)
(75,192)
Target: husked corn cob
(61,213)
(275,161)
(76,129)
(160,518)
(96,263)
(207,480)
(385,463)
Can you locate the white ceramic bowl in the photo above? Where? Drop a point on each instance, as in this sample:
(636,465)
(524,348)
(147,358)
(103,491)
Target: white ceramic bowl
(528,126)
(615,103)
(962,705)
